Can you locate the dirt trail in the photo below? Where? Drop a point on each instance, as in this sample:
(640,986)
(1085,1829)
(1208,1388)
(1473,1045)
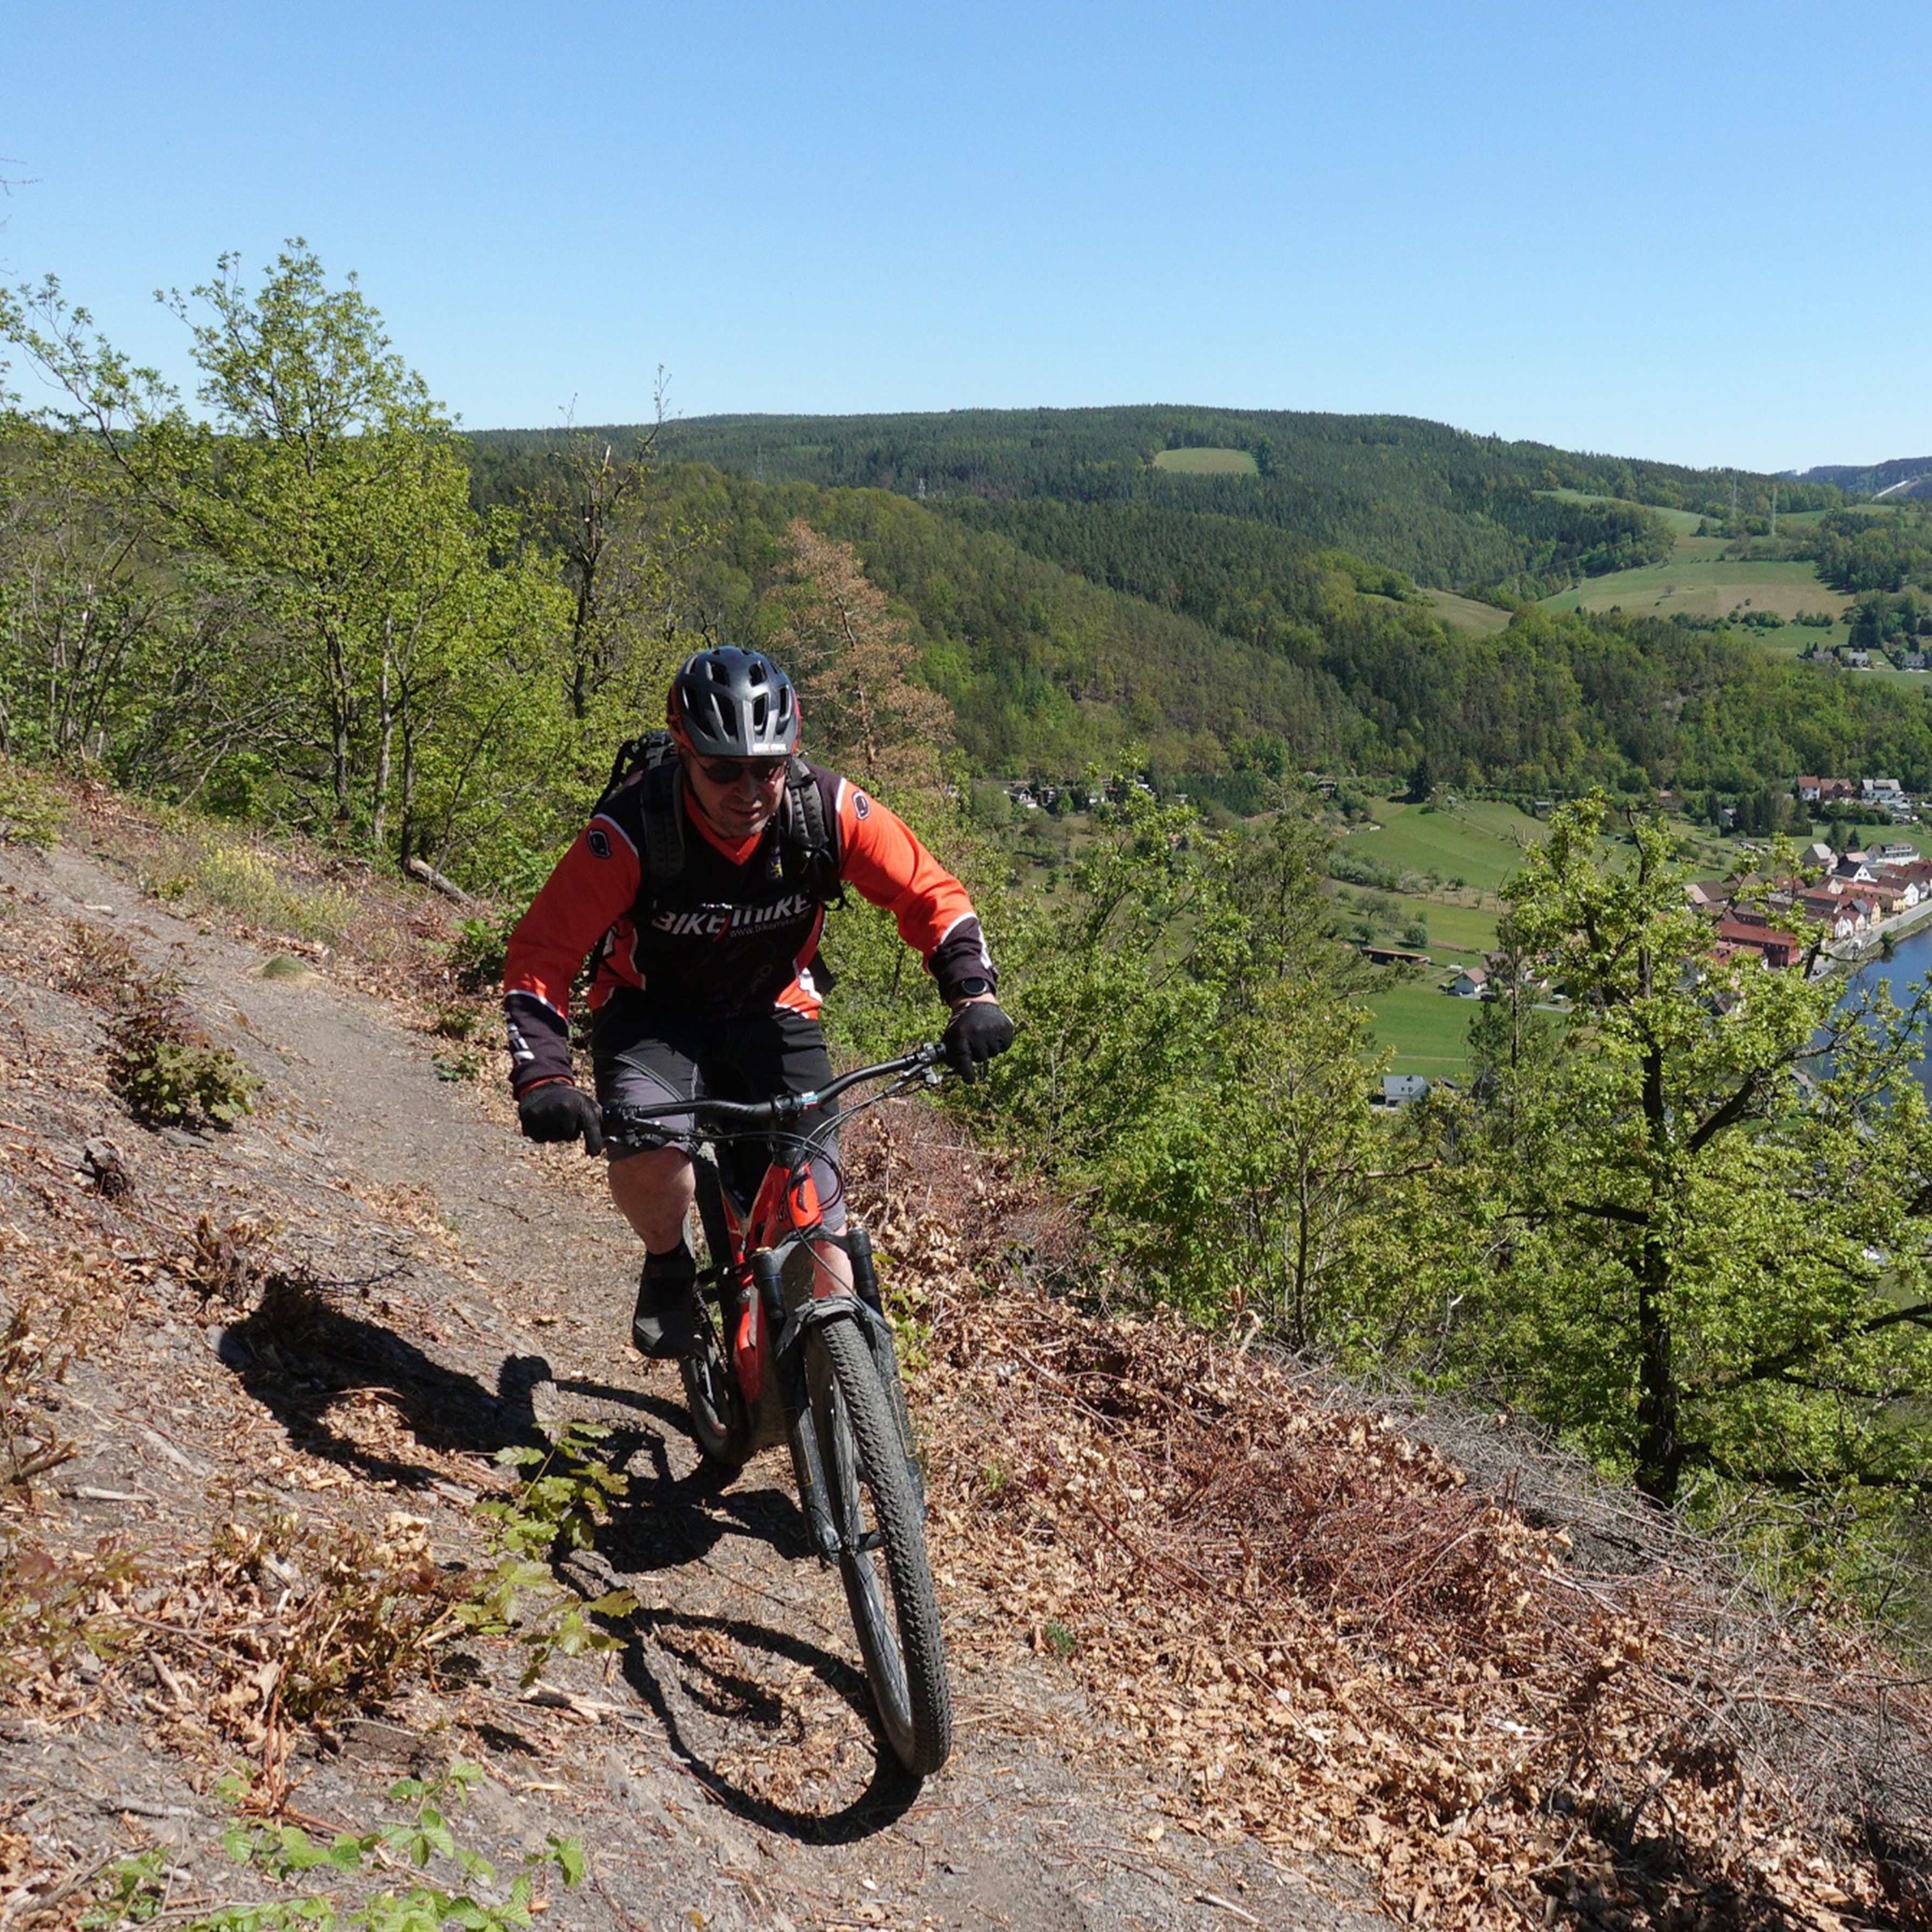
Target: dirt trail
(719,1767)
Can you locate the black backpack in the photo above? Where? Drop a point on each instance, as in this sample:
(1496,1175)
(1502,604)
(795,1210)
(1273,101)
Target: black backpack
(808,847)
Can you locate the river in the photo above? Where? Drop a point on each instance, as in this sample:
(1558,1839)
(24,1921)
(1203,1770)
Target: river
(1911,961)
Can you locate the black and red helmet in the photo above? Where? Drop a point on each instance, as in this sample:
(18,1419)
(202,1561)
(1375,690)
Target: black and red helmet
(733,703)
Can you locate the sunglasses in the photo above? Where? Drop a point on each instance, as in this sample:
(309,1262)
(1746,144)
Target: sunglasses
(727,772)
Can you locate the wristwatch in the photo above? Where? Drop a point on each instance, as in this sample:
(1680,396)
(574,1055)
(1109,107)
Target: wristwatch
(973,988)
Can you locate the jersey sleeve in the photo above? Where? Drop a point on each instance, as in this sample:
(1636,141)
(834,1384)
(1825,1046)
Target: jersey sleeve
(880,855)
(592,886)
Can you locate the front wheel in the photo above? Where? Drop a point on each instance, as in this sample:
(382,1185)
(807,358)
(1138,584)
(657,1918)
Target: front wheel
(872,1493)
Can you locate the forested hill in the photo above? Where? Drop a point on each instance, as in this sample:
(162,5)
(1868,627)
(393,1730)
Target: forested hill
(1226,657)
(1902,476)
(1452,510)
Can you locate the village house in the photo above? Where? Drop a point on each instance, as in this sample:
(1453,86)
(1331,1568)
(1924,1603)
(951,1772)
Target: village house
(1776,950)
(1398,1090)
(1825,791)
(1469,984)
(1844,915)
(1913,874)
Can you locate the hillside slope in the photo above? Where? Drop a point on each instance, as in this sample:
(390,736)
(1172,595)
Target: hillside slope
(1229,1648)
(1902,476)
(446,1289)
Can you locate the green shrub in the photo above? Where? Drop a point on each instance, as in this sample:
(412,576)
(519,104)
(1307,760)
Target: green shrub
(477,955)
(567,1494)
(166,1071)
(131,1891)
(30,813)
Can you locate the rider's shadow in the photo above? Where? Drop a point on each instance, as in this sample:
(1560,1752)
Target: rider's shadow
(312,1366)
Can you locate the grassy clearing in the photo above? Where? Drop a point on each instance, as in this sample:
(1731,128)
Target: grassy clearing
(1684,522)
(1465,613)
(1479,842)
(1458,934)
(1427,1029)
(1461,927)
(1208,462)
(1706,587)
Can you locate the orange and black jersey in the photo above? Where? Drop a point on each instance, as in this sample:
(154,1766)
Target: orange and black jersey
(732,934)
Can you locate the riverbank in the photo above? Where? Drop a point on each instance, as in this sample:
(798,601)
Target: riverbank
(1848,956)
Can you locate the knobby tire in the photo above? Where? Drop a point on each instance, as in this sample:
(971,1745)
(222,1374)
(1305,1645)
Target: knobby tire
(872,1492)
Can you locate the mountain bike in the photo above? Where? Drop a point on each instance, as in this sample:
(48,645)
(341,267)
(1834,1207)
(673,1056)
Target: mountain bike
(784,1353)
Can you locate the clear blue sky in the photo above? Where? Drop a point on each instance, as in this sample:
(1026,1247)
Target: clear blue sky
(1695,231)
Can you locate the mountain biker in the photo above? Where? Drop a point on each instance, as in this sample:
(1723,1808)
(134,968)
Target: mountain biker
(709,982)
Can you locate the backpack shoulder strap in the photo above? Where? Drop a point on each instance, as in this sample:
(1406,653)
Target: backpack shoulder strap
(650,762)
(810,841)
(663,825)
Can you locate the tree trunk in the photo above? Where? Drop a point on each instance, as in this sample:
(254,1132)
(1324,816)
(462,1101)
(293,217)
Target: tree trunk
(1660,1459)
(385,737)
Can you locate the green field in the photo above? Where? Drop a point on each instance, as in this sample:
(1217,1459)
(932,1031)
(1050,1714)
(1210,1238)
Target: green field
(1697,586)
(1427,1029)
(1699,580)
(1208,462)
(1459,933)
(1479,842)
(1465,613)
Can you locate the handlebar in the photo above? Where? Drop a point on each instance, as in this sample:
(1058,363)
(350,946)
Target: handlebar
(710,1117)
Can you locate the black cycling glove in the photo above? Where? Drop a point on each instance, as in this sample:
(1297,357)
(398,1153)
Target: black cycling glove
(560,1110)
(976,1033)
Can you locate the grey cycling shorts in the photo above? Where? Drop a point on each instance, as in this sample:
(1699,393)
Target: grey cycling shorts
(647,1054)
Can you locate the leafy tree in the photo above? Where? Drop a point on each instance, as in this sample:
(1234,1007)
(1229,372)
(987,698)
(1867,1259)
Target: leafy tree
(1703,1217)
(618,546)
(102,656)
(325,491)
(853,659)
(1194,1061)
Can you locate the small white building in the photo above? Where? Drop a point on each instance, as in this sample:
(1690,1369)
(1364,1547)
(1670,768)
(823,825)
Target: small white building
(1398,1090)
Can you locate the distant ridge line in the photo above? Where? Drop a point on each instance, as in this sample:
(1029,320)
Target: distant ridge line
(1901,476)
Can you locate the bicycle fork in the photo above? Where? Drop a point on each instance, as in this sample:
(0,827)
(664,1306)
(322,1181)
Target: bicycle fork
(832,1539)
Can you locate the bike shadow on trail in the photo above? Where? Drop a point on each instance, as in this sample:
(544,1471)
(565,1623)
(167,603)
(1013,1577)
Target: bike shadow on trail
(687,1660)
(668,1519)
(718,1673)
